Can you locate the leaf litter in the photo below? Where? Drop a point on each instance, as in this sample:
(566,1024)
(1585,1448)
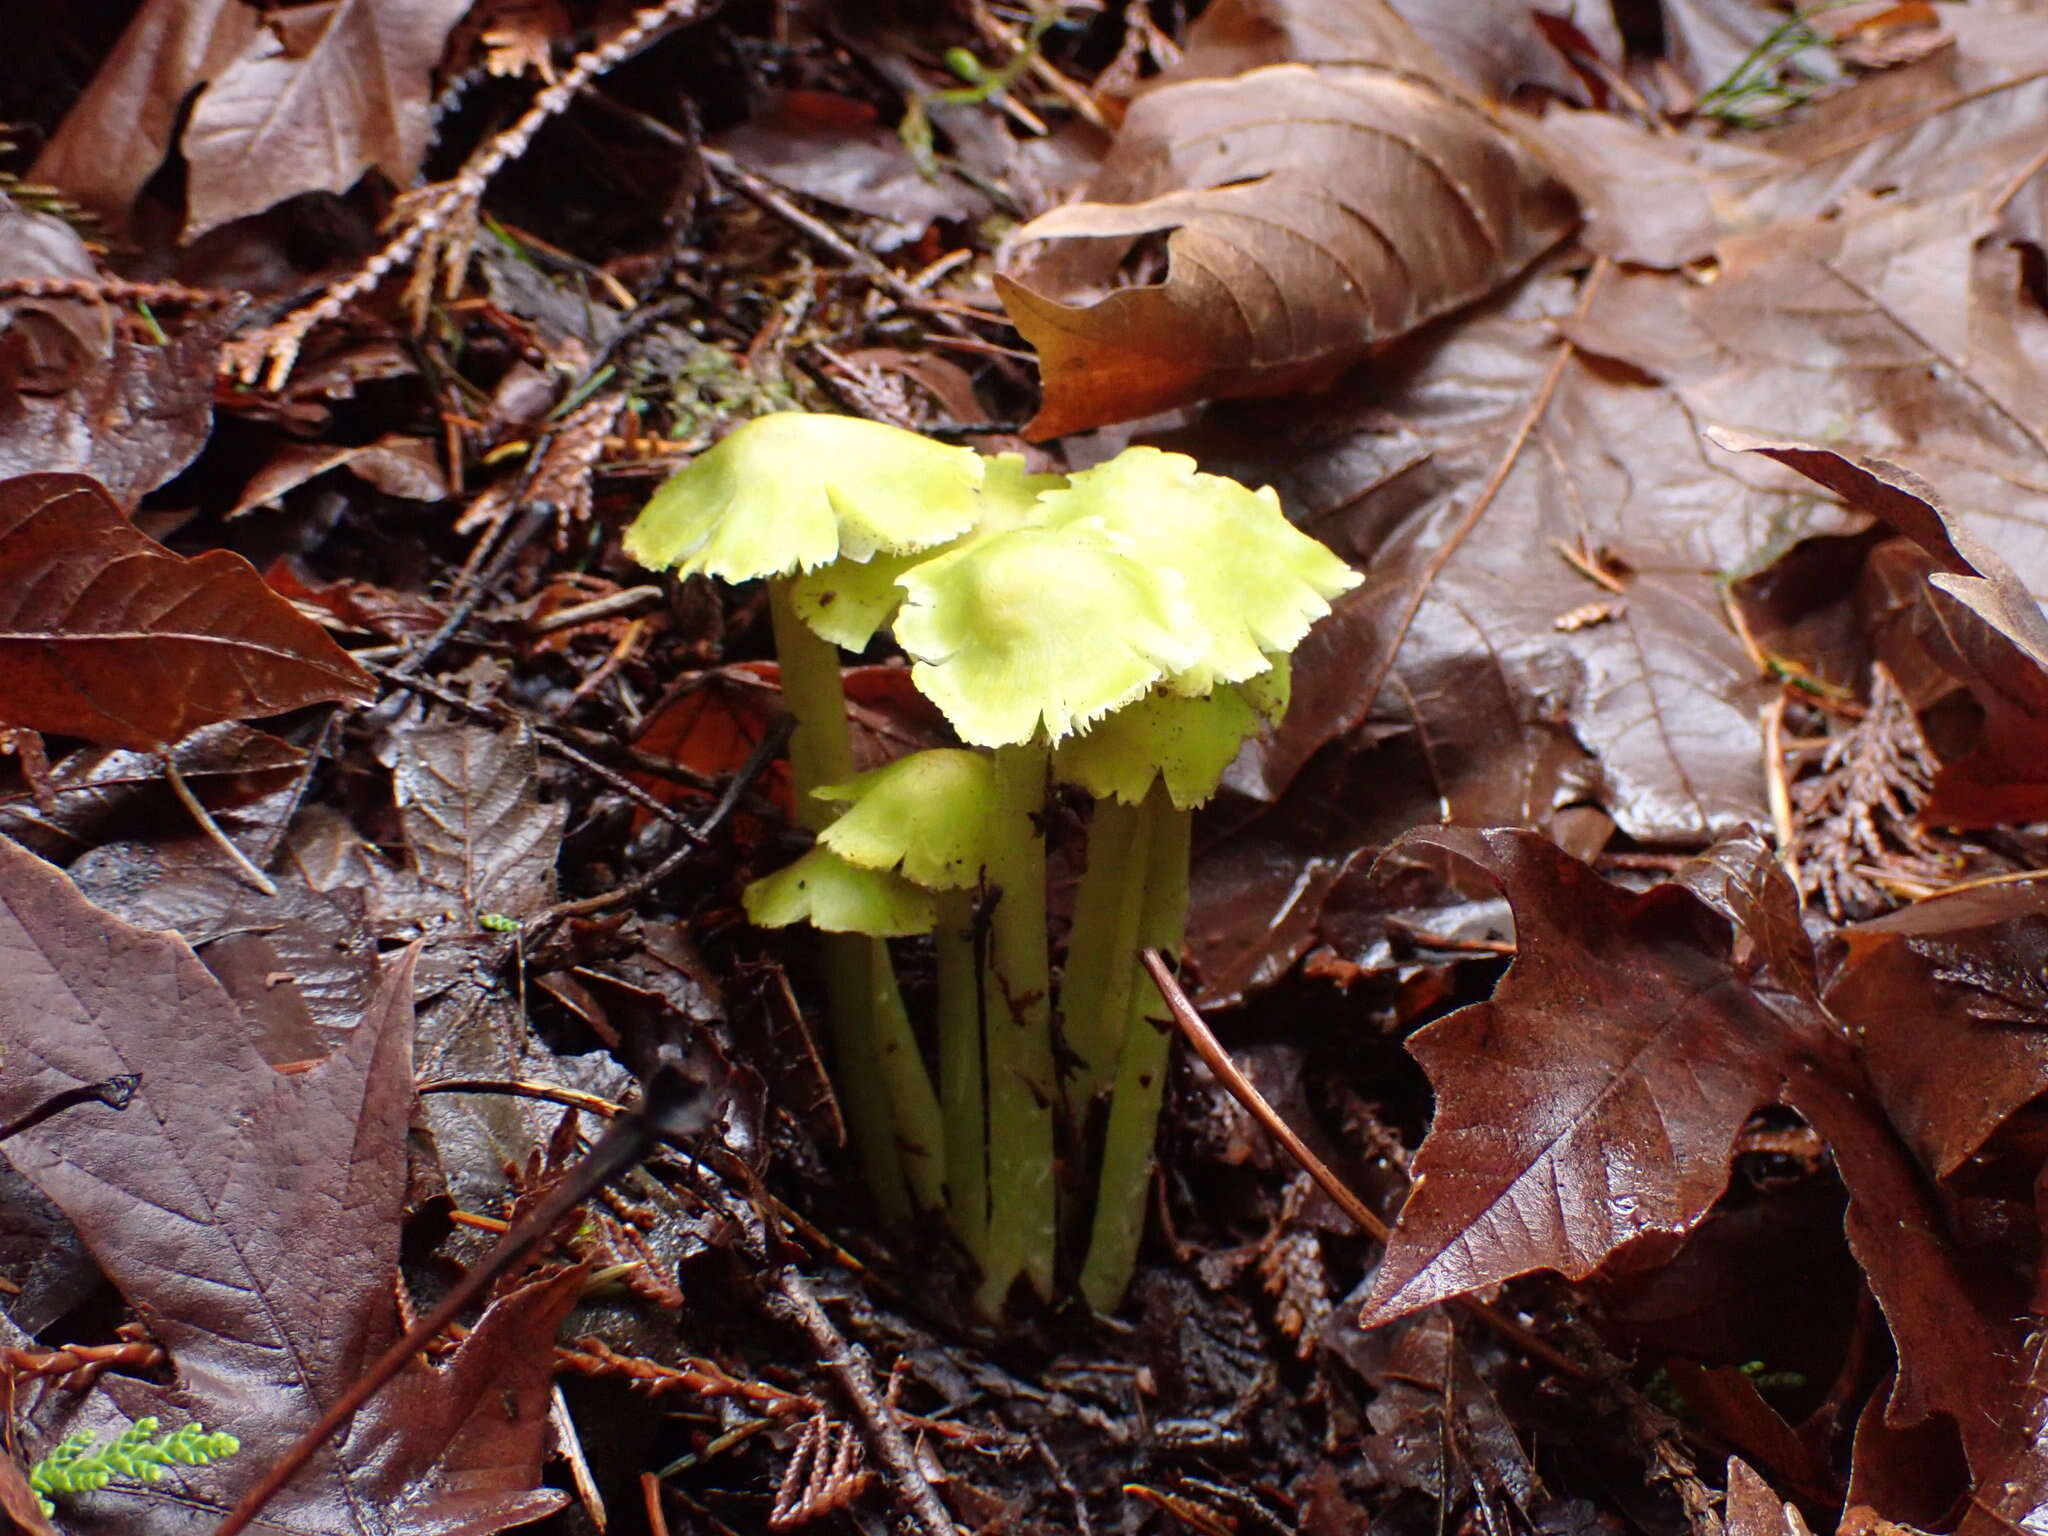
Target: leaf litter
(1672,385)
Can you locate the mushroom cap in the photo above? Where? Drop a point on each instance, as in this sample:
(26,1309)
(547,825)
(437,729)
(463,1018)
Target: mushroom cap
(827,892)
(1041,629)
(1188,742)
(926,814)
(1254,581)
(794,491)
(847,601)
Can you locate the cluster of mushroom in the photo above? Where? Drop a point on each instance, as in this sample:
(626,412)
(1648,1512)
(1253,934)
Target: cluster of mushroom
(1123,629)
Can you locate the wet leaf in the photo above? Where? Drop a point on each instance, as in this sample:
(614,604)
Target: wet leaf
(1954,123)
(1594,1100)
(108,635)
(469,800)
(95,788)
(132,417)
(1463,473)
(1946,999)
(251,1218)
(394,464)
(1315,211)
(832,147)
(1753,1510)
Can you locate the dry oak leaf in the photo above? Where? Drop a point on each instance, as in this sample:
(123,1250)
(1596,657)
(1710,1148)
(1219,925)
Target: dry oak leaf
(106,634)
(1595,1098)
(252,1217)
(1314,210)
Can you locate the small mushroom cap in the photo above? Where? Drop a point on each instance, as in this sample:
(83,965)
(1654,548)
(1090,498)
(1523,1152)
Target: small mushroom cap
(827,892)
(926,813)
(1041,629)
(1254,581)
(794,491)
(1188,742)
(847,601)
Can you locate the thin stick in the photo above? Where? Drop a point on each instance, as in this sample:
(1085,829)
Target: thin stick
(521,1088)
(1210,1049)
(763,194)
(211,828)
(768,748)
(1776,787)
(630,600)
(650,1491)
(848,1364)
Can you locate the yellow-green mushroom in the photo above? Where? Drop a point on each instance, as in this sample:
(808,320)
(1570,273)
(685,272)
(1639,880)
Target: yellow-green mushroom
(1021,638)
(779,498)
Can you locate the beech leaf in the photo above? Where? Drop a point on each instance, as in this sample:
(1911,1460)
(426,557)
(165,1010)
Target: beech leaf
(106,634)
(120,128)
(1315,211)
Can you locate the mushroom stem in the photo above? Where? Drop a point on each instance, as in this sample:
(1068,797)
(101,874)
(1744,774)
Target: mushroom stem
(1119,1223)
(1021,1088)
(1102,952)
(961,1082)
(863,1095)
(891,1112)
(820,749)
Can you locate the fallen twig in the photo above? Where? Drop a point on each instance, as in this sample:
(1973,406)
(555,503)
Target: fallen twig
(847,1362)
(1198,1034)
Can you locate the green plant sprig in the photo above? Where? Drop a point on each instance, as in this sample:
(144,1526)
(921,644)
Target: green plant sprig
(138,1454)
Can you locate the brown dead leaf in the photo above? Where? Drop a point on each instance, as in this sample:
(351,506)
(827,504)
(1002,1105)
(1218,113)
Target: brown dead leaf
(1900,328)
(318,95)
(1753,1510)
(1594,1100)
(475,824)
(251,1218)
(106,634)
(94,789)
(1315,211)
(1946,998)
(120,129)
(832,147)
(1459,473)
(1962,121)
(396,465)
